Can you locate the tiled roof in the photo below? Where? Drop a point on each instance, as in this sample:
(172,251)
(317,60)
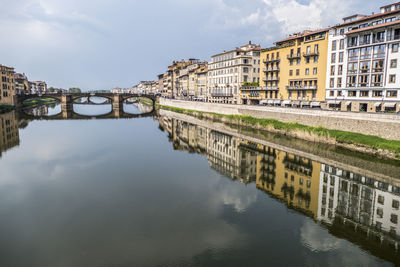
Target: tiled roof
(374,27)
(367,18)
(303,35)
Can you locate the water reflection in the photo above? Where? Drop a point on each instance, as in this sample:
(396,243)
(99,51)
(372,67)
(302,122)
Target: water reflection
(363,209)
(114,193)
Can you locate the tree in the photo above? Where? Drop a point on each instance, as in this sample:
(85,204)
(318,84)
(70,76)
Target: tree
(74,90)
(51,89)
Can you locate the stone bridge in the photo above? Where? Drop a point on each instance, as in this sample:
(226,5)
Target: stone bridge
(67,100)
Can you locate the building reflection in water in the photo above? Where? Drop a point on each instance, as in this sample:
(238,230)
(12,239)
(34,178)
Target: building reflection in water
(9,132)
(361,209)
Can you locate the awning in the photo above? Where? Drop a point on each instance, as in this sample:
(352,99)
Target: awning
(305,103)
(286,102)
(295,102)
(389,105)
(333,102)
(270,101)
(377,104)
(277,101)
(315,104)
(348,103)
(263,102)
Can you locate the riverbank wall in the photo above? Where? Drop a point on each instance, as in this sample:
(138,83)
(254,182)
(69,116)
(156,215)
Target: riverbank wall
(386,126)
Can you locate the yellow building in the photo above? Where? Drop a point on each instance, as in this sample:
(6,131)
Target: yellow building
(9,132)
(7,86)
(290,178)
(294,71)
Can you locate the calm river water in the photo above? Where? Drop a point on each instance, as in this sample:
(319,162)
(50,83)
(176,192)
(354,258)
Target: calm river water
(171,190)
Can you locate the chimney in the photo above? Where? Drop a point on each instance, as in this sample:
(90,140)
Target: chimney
(249,42)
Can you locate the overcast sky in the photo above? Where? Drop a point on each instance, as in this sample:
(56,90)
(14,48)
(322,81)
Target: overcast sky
(101,44)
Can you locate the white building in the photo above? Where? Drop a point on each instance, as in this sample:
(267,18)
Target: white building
(228,71)
(363,56)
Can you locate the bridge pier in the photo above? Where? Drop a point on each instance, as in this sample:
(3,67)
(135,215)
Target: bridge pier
(66,102)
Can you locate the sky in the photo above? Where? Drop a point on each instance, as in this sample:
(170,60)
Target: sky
(102,44)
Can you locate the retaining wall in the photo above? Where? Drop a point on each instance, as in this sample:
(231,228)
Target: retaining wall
(383,125)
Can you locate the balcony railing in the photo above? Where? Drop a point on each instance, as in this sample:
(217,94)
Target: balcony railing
(393,37)
(273,87)
(270,69)
(378,40)
(301,87)
(293,56)
(251,88)
(271,78)
(271,60)
(365,42)
(311,54)
(215,94)
(352,44)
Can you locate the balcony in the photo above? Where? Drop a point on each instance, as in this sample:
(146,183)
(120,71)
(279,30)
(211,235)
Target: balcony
(272,60)
(365,42)
(352,44)
(293,56)
(393,37)
(270,69)
(301,87)
(271,78)
(221,94)
(378,40)
(251,88)
(311,54)
(271,88)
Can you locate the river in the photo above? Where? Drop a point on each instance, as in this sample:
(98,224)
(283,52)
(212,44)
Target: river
(172,190)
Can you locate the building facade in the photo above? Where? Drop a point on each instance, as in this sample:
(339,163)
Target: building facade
(38,87)
(7,86)
(229,71)
(21,84)
(363,57)
(294,71)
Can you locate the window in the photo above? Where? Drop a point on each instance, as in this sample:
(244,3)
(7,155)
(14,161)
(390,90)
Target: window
(393,218)
(391,93)
(290,72)
(379,212)
(395,48)
(352,93)
(315,71)
(333,58)
(365,52)
(245,69)
(340,57)
(395,204)
(298,61)
(392,78)
(332,93)
(379,51)
(340,69)
(352,68)
(377,79)
(316,48)
(339,82)
(363,80)
(297,72)
(307,71)
(291,62)
(315,59)
(381,199)
(393,63)
(339,93)
(307,60)
(341,44)
(377,65)
(377,93)
(332,83)
(353,54)
(364,93)
(365,66)
(332,70)
(334,45)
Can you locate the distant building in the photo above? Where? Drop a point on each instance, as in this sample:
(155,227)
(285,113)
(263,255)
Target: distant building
(7,88)
(21,84)
(38,87)
(229,70)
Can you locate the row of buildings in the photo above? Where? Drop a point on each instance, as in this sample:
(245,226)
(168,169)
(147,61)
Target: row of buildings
(368,206)
(352,66)
(13,84)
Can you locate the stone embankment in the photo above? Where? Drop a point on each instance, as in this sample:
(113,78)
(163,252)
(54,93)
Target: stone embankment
(386,126)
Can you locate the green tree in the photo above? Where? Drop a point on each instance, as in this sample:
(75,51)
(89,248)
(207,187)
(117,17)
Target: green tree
(51,89)
(74,90)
